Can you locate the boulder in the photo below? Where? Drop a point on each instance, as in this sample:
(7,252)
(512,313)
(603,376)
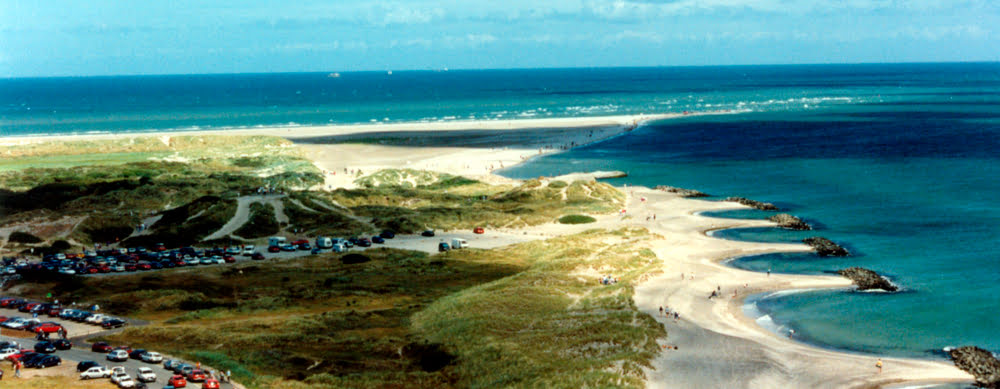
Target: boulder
(867,279)
(681,191)
(981,363)
(753,203)
(825,247)
(785,220)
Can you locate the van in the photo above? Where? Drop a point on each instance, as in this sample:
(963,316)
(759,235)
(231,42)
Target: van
(324,242)
(276,241)
(339,248)
(459,243)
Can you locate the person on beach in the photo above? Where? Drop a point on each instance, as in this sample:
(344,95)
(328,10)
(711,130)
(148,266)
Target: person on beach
(661,311)
(878,364)
(791,333)
(768,272)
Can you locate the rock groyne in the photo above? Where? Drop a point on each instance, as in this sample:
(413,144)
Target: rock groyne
(867,279)
(753,203)
(980,363)
(681,191)
(785,220)
(825,247)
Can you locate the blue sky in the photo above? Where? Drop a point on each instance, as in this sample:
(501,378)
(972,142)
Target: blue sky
(94,37)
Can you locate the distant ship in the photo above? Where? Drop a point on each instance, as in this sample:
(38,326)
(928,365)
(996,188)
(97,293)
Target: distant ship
(333,75)
(389,72)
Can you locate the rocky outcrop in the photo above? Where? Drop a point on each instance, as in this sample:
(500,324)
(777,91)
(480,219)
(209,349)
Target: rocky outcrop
(980,363)
(867,279)
(785,220)
(825,247)
(753,203)
(681,191)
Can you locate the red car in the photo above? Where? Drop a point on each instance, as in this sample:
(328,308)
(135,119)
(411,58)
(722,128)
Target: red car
(144,266)
(229,259)
(91,270)
(5,302)
(196,375)
(273,249)
(210,383)
(131,267)
(177,381)
(126,348)
(20,354)
(104,269)
(48,328)
(54,312)
(479,230)
(101,347)
(160,247)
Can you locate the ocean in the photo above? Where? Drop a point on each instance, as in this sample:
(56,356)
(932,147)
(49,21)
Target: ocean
(898,162)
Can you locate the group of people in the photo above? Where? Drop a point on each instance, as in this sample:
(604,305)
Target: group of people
(666,313)
(608,280)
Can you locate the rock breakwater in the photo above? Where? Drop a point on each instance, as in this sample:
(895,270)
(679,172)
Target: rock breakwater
(980,363)
(825,247)
(681,191)
(753,203)
(867,279)
(785,220)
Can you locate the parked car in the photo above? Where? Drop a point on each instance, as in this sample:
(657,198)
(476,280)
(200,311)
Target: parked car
(387,234)
(86,365)
(196,375)
(95,372)
(62,344)
(46,361)
(364,242)
(288,247)
(378,239)
(248,250)
(228,259)
(136,354)
(113,323)
(273,249)
(101,347)
(210,383)
(146,375)
(151,357)
(304,246)
(126,382)
(117,355)
(45,347)
(257,256)
(478,230)
(47,328)
(118,375)
(443,246)
(169,364)
(177,381)
(427,233)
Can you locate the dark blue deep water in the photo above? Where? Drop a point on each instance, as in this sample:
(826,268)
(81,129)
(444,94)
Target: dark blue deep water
(897,162)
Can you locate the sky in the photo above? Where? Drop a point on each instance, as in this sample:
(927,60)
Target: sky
(100,37)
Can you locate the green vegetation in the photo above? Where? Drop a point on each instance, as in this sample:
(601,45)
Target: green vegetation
(412,209)
(23,237)
(112,185)
(262,222)
(320,220)
(187,224)
(532,314)
(576,219)
(409,178)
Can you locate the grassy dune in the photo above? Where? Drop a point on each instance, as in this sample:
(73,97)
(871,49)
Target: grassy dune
(526,315)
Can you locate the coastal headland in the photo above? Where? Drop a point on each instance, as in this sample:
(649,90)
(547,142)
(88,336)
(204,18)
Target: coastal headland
(711,342)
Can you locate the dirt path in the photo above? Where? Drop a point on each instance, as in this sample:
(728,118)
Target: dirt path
(243,214)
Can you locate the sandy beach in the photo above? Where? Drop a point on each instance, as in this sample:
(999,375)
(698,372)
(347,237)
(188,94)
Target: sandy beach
(717,345)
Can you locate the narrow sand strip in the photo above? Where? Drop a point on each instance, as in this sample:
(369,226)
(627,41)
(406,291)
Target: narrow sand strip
(718,345)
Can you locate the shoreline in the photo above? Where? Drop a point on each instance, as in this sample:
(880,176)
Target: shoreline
(721,346)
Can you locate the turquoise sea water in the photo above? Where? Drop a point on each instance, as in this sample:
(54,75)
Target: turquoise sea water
(899,163)
(908,183)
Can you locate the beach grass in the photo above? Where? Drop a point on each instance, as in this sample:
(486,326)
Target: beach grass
(532,313)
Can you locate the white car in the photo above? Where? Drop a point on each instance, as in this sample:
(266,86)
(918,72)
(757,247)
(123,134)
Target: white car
(95,372)
(67,270)
(218,260)
(8,352)
(126,382)
(151,357)
(117,377)
(248,250)
(146,375)
(118,356)
(96,318)
(14,322)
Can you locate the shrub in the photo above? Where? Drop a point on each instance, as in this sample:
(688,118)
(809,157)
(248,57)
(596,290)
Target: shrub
(23,237)
(576,219)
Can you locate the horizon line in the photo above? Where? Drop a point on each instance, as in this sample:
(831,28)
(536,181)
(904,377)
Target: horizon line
(447,69)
